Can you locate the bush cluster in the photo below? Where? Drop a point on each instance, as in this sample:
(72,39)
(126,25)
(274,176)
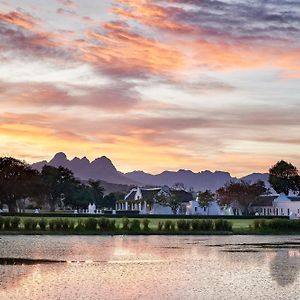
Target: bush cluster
(277,224)
(195,225)
(133,225)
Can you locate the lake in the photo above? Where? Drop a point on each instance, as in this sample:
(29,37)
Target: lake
(149,267)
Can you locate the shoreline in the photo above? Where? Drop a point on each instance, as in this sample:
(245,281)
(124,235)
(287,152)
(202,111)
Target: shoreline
(145,233)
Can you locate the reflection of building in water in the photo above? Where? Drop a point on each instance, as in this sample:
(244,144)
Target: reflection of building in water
(285,266)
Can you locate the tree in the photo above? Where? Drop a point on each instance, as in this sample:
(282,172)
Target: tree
(169,199)
(17,181)
(241,194)
(205,198)
(109,201)
(97,191)
(81,196)
(59,184)
(284,177)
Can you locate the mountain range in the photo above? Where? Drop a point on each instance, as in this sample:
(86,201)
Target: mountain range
(103,169)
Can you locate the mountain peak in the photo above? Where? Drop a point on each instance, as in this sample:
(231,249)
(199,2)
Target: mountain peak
(59,159)
(104,163)
(60,155)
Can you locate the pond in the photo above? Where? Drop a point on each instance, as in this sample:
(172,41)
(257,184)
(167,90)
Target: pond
(149,267)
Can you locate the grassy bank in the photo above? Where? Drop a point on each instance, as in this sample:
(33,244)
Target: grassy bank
(143,226)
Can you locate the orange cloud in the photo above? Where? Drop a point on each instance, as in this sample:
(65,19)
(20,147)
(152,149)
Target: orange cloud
(152,15)
(20,19)
(124,52)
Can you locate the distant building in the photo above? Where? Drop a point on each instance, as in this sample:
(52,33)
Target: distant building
(277,205)
(142,200)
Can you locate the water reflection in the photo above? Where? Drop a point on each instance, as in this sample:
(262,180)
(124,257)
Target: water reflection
(156,267)
(285,266)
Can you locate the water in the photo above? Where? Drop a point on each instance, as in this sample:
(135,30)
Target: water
(149,267)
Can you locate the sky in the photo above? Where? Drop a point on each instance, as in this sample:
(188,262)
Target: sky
(152,84)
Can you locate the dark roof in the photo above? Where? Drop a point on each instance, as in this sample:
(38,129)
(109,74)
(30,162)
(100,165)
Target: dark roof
(268,200)
(149,194)
(183,195)
(294,198)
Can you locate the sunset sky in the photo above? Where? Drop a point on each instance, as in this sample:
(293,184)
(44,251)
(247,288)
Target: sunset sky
(153,85)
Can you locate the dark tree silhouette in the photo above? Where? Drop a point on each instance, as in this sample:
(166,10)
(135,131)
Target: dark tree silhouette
(284,177)
(205,198)
(241,194)
(59,184)
(17,181)
(97,191)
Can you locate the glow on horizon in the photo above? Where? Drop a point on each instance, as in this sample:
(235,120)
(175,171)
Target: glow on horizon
(152,85)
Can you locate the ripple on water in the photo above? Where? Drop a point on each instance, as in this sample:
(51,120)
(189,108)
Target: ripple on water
(152,267)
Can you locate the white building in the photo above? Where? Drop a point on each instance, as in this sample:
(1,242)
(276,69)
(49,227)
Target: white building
(277,205)
(213,209)
(142,201)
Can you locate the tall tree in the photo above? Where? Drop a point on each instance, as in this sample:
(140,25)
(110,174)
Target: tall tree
(17,181)
(241,194)
(59,184)
(169,199)
(97,191)
(284,177)
(206,198)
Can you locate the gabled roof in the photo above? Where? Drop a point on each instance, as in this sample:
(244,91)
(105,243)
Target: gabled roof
(149,194)
(183,196)
(131,195)
(268,200)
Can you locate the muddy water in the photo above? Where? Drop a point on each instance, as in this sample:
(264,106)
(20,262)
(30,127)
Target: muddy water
(151,267)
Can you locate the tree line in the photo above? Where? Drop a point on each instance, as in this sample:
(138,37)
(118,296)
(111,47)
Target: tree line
(283,178)
(56,187)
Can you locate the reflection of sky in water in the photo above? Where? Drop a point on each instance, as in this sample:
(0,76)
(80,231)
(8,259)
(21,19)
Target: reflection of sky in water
(237,267)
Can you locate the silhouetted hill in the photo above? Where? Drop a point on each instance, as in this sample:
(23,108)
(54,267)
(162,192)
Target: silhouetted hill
(199,181)
(100,169)
(103,169)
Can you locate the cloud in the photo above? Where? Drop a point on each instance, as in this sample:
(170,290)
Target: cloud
(20,34)
(121,52)
(20,19)
(113,98)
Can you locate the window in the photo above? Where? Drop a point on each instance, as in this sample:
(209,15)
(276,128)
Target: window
(288,211)
(196,208)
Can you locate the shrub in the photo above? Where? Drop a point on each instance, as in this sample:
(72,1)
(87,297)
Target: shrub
(125,222)
(1,222)
(206,225)
(112,224)
(80,225)
(168,225)
(104,223)
(160,226)
(71,224)
(7,223)
(195,224)
(65,224)
(183,224)
(58,224)
(28,222)
(146,224)
(15,222)
(42,224)
(34,223)
(52,224)
(260,224)
(135,225)
(223,225)
(91,224)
